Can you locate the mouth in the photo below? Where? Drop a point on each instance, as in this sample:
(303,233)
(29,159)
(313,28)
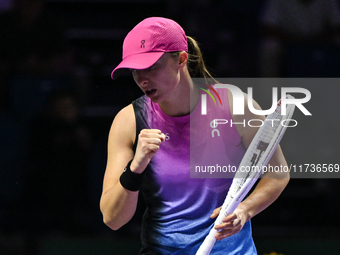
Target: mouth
(150,92)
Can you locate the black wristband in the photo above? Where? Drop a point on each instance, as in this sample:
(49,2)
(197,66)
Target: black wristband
(130,180)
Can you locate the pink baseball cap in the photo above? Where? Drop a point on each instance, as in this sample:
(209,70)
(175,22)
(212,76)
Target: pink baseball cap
(148,41)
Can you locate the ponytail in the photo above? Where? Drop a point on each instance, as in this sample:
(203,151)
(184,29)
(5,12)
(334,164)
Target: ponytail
(196,65)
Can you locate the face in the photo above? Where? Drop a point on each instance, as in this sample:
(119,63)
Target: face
(160,81)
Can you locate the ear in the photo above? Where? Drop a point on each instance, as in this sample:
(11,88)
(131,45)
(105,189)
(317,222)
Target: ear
(182,59)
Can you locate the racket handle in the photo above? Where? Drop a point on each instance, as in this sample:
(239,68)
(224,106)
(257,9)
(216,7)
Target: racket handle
(208,243)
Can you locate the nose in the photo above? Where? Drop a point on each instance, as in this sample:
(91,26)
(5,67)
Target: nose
(141,77)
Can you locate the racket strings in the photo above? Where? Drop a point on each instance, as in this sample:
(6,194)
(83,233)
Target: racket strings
(253,157)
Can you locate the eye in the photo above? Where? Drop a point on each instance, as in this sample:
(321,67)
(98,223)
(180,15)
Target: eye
(153,66)
(133,71)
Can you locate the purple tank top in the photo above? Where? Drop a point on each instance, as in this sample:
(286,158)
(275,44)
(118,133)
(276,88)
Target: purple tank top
(179,205)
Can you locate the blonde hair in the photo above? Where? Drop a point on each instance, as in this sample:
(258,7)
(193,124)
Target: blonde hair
(196,65)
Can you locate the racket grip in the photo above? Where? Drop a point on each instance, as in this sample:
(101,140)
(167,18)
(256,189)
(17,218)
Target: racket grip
(208,243)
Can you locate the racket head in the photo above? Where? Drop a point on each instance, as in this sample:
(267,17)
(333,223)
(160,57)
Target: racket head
(257,156)
(263,145)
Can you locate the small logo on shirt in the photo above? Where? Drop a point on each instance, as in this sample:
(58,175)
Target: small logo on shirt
(167,136)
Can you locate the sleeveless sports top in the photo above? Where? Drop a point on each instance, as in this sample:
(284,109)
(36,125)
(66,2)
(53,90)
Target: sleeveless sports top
(178,206)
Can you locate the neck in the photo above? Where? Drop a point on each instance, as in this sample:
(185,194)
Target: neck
(184,101)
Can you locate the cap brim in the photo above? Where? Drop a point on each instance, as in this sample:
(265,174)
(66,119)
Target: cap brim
(138,61)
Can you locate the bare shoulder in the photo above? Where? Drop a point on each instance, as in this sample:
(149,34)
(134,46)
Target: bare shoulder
(124,125)
(246,131)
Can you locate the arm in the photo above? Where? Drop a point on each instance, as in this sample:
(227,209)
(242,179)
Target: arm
(267,190)
(118,204)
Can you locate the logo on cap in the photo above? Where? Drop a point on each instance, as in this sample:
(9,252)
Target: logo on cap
(142,44)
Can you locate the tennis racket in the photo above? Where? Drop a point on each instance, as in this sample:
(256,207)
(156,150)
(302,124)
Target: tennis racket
(251,167)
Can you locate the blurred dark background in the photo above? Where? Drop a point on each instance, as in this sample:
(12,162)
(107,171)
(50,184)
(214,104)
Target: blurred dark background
(57,102)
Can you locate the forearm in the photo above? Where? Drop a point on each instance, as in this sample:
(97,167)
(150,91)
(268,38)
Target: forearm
(118,205)
(266,192)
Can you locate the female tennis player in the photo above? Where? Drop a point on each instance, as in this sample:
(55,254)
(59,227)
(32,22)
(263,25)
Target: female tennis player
(149,151)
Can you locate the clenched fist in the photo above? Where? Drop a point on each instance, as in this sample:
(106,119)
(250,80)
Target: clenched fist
(148,144)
